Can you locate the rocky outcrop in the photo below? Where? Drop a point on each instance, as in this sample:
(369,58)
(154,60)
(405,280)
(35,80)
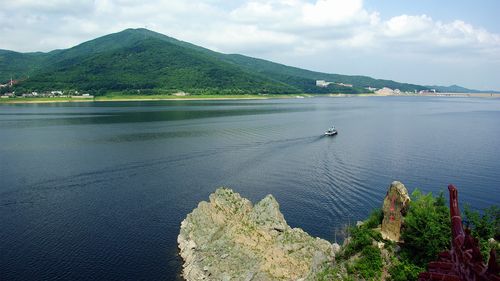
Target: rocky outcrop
(396,204)
(229,239)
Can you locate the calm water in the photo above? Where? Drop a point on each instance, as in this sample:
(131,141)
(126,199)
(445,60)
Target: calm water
(97,191)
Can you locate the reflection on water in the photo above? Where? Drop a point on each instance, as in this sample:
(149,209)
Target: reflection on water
(99,189)
(17,120)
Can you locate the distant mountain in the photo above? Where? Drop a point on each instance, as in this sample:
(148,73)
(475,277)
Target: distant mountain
(306,79)
(457,89)
(140,59)
(16,65)
(135,60)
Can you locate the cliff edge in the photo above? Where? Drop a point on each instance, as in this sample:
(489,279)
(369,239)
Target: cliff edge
(229,239)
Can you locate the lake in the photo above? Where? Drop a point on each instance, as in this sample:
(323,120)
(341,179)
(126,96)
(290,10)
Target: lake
(97,191)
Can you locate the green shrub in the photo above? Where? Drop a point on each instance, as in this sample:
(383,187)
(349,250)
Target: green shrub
(483,226)
(330,273)
(403,270)
(375,219)
(369,265)
(426,230)
(360,237)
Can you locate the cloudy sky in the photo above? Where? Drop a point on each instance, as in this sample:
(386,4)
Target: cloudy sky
(426,41)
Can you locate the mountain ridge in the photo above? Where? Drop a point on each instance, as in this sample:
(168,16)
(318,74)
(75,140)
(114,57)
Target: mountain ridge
(143,60)
(459,89)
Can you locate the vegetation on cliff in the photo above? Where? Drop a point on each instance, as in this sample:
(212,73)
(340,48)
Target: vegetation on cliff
(426,230)
(426,233)
(484,226)
(228,238)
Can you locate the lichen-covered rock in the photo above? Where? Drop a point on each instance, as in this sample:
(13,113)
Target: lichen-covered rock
(228,239)
(396,204)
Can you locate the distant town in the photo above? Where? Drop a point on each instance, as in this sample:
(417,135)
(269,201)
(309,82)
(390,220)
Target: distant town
(385,91)
(5,90)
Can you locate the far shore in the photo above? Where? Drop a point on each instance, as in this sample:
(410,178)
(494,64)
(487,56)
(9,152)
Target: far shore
(120,98)
(459,95)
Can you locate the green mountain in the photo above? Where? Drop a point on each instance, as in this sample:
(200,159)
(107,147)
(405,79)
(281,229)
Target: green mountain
(306,79)
(142,60)
(457,89)
(17,65)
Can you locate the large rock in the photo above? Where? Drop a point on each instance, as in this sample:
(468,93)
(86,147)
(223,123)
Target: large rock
(395,206)
(228,239)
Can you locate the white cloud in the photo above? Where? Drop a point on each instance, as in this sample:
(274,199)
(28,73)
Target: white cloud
(404,26)
(338,23)
(48,7)
(333,12)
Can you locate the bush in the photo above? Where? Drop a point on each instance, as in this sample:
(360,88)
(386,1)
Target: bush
(483,226)
(369,265)
(375,219)
(360,238)
(403,270)
(330,273)
(426,230)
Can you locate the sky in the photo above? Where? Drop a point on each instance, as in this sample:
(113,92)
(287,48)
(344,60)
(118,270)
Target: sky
(427,42)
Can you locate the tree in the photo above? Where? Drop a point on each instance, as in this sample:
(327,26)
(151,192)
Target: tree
(404,270)
(426,230)
(483,226)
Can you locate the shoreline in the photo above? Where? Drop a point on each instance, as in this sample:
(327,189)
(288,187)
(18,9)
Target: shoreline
(234,97)
(31,101)
(148,98)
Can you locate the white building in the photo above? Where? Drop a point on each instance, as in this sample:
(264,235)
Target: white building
(344,85)
(322,83)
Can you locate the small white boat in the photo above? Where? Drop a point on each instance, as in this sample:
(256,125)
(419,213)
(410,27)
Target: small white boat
(331,131)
